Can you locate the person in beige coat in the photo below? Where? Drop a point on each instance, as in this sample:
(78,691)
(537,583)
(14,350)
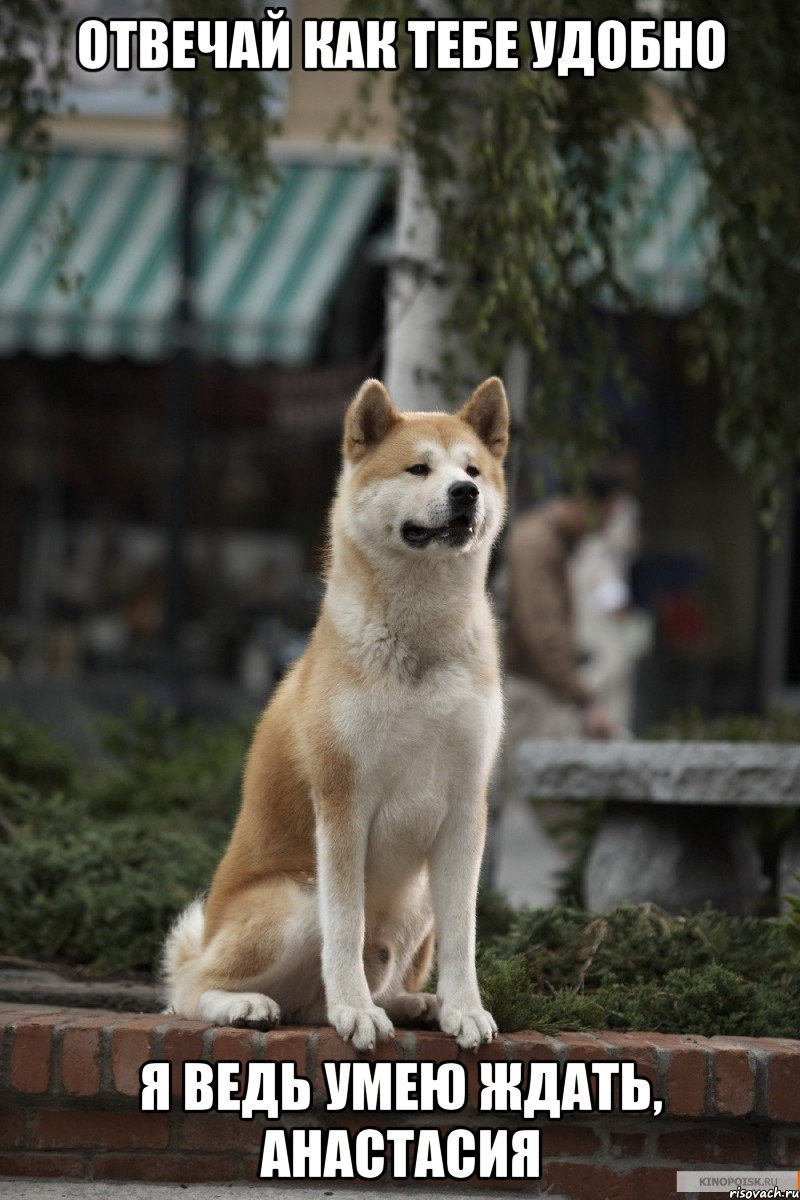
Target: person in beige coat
(545,694)
(545,688)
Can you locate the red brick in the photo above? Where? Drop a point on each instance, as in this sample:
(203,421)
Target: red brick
(380,1120)
(10,1013)
(234,1045)
(770,1044)
(78,1129)
(638,1049)
(182,1042)
(250,1167)
(147,1020)
(433,1046)
(587,1048)
(583,1047)
(50,1166)
(785,1148)
(568,1141)
(582,1181)
(626,1145)
(91,1018)
(31,1053)
(79,1018)
(734,1083)
(331,1048)
(390,1051)
(750,1043)
(658,1183)
(418,1188)
(514,1186)
(291,1045)
(12,1128)
(687,1071)
(80,1061)
(784,1085)
(709,1147)
(493,1051)
(131,1046)
(531,1047)
(218,1132)
(166,1168)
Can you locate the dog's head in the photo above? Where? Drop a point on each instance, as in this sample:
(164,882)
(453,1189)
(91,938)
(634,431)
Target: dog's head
(427,484)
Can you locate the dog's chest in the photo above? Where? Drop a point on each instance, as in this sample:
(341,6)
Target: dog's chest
(392,731)
(416,750)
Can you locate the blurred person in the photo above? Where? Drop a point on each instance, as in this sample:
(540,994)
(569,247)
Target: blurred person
(611,634)
(547,695)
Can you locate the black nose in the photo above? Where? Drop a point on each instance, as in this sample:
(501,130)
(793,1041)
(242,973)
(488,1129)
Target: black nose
(462,495)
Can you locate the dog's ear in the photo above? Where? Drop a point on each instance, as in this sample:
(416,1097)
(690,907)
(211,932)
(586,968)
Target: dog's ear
(369,418)
(487,412)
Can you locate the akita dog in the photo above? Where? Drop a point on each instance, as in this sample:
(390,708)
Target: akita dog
(364,799)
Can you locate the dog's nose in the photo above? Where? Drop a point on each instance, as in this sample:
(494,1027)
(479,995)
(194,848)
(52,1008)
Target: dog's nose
(462,494)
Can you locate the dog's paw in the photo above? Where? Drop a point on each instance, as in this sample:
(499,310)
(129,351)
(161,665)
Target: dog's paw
(413,1006)
(361,1026)
(469,1026)
(250,1009)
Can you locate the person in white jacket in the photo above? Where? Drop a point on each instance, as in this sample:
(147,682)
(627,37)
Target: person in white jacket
(610,634)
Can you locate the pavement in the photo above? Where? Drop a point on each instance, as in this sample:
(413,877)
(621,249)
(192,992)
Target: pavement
(58,1189)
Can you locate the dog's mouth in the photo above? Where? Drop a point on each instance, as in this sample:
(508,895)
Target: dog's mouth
(456,532)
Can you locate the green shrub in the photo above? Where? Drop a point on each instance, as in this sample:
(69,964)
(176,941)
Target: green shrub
(160,765)
(96,860)
(567,947)
(792,923)
(100,894)
(95,863)
(637,968)
(30,756)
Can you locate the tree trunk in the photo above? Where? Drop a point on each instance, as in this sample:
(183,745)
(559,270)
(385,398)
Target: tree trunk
(417,300)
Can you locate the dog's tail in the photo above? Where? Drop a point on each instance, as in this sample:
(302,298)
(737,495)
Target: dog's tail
(182,950)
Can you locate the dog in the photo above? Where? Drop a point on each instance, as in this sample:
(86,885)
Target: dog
(363,812)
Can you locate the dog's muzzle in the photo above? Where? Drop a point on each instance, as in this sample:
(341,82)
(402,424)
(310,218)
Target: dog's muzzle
(462,501)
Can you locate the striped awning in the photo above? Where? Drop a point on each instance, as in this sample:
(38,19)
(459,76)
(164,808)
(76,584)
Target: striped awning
(663,245)
(89,257)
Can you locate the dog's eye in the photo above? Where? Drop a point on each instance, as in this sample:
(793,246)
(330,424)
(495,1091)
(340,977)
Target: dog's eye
(472,471)
(419,469)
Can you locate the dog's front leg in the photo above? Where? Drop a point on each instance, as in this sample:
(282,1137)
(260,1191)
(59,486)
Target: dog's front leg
(454,865)
(341,856)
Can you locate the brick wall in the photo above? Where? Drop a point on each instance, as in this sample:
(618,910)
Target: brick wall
(69,1081)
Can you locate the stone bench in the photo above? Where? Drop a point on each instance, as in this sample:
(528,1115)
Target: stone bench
(672,832)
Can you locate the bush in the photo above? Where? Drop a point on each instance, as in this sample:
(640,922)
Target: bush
(160,766)
(100,895)
(30,756)
(95,861)
(638,968)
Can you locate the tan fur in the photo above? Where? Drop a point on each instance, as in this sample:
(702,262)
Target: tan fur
(305,769)
(420,969)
